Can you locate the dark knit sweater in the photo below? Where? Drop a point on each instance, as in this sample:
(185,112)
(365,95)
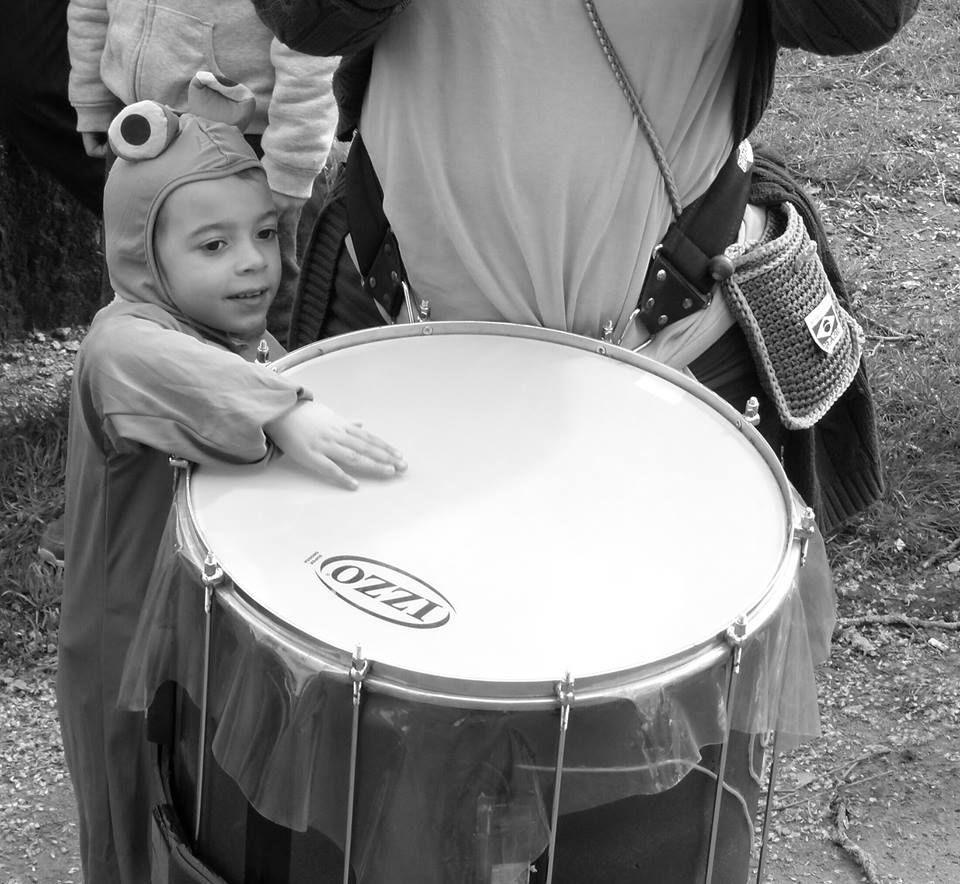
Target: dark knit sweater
(826,27)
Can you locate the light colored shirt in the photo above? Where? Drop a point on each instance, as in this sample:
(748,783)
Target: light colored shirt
(515,176)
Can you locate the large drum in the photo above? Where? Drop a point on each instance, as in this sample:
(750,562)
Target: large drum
(544,650)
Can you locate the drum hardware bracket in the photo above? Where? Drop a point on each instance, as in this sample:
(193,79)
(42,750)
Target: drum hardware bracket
(565,696)
(607,333)
(804,531)
(177,464)
(358,672)
(735,635)
(263,352)
(359,667)
(751,413)
(211,576)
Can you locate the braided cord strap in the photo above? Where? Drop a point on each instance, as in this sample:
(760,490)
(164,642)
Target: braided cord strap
(636,107)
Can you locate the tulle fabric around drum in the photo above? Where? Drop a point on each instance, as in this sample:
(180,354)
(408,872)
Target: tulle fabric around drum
(280,706)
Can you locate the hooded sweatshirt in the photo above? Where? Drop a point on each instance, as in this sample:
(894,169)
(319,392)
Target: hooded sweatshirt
(148,383)
(123,51)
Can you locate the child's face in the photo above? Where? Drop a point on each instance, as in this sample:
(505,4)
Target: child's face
(216,244)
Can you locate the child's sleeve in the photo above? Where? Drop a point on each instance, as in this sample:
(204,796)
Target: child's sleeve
(301,120)
(160,388)
(86,37)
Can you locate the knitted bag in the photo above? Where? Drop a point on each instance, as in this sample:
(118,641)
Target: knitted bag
(806,346)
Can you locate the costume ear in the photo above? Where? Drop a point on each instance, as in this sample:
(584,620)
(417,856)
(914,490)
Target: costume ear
(143,130)
(217,98)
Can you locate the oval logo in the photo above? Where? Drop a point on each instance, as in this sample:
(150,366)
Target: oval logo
(383,591)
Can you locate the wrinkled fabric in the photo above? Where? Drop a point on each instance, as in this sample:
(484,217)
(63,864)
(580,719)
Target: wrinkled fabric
(526,230)
(147,385)
(280,722)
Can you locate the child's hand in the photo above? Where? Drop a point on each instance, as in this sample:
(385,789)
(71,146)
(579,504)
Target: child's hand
(320,440)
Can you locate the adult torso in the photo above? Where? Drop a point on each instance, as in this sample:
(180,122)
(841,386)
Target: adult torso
(514,173)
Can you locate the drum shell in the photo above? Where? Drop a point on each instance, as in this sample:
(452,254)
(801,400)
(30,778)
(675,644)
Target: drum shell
(427,771)
(280,704)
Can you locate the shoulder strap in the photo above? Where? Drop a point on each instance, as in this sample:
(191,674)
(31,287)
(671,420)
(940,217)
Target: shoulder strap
(689,259)
(374,242)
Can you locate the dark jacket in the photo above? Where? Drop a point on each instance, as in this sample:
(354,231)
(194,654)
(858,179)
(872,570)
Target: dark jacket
(826,27)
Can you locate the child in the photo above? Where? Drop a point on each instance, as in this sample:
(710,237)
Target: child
(166,369)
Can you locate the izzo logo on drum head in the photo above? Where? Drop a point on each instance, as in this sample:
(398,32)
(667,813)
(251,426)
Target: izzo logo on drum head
(382,590)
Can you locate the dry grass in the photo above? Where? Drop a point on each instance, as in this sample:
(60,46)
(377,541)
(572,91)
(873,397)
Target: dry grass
(32,458)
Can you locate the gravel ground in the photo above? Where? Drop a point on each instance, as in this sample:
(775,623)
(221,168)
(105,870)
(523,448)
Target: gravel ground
(34,369)
(38,826)
(875,799)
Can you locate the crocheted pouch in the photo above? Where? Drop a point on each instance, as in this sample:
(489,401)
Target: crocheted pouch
(805,345)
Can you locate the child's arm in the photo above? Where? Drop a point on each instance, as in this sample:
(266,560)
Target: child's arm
(301,121)
(145,384)
(322,441)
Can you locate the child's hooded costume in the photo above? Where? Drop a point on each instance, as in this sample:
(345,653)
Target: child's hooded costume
(148,383)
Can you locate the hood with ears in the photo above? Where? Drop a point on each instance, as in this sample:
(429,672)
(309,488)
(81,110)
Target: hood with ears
(157,152)
(136,189)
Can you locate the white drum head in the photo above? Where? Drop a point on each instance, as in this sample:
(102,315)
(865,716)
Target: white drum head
(564,511)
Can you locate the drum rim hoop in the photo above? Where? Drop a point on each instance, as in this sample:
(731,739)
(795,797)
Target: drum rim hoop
(447,691)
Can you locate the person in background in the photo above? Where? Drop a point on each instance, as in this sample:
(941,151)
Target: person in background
(35,113)
(123,51)
(532,160)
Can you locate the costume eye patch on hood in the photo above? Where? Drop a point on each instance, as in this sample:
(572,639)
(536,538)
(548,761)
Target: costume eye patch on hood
(145,129)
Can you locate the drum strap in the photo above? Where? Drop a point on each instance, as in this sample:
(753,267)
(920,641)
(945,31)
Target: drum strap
(374,242)
(689,259)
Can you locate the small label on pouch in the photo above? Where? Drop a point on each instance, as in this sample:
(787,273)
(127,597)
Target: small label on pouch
(825,326)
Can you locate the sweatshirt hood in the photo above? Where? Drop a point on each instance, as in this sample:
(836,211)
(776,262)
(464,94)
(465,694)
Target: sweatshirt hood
(159,151)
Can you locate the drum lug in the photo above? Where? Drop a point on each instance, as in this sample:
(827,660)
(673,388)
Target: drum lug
(423,310)
(751,413)
(263,352)
(212,577)
(565,696)
(804,531)
(735,634)
(358,672)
